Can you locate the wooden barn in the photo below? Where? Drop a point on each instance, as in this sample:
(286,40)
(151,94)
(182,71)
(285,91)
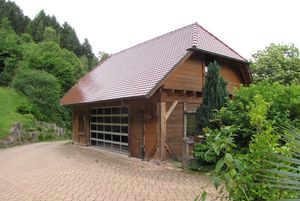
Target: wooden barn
(142,100)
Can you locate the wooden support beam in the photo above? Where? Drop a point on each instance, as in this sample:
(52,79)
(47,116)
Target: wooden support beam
(158,125)
(170,152)
(168,114)
(153,150)
(163,131)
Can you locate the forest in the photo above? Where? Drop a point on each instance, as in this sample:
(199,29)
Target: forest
(41,59)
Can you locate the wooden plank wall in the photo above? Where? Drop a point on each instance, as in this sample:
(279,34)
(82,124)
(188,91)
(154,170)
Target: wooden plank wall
(151,120)
(175,130)
(136,127)
(188,76)
(231,76)
(81,138)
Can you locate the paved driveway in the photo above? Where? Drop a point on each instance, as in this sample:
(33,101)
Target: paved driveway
(61,171)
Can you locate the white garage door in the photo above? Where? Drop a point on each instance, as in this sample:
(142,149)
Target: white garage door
(109,128)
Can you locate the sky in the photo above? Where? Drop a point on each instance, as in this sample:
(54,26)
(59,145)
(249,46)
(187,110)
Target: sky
(114,25)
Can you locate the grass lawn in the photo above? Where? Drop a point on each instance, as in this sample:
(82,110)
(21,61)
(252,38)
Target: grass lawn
(9,101)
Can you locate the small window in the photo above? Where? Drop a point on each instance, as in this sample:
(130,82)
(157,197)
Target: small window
(81,122)
(191,124)
(205,70)
(208,60)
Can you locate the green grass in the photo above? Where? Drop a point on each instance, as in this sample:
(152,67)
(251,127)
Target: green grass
(9,101)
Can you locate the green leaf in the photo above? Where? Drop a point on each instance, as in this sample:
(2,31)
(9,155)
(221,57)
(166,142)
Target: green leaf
(217,182)
(203,196)
(219,165)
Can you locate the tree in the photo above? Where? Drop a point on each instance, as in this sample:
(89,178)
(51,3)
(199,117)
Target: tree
(50,35)
(9,52)
(87,51)
(48,56)
(41,88)
(69,39)
(277,63)
(102,55)
(15,15)
(38,25)
(214,96)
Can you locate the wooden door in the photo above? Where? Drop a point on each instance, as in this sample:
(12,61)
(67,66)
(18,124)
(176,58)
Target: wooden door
(136,132)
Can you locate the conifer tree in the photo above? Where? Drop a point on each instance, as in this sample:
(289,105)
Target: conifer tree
(214,96)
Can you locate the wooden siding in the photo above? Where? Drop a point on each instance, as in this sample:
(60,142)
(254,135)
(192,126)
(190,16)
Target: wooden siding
(188,76)
(79,137)
(136,131)
(175,130)
(231,76)
(150,130)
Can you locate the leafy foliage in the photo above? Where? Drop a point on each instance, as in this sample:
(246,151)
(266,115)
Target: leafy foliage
(50,35)
(69,39)
(48,56)
(86,49)
(214,95)
(247,139)
(37,26)
(14,14)
(284,108)
(43,90)
(9,52)
(277,63)
(288,176)
(42,59)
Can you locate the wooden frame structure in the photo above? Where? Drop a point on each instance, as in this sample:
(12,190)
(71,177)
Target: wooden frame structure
(156,124)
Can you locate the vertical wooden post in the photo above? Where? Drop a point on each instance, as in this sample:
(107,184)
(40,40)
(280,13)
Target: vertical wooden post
(163,130)
(158,150)
(185,160)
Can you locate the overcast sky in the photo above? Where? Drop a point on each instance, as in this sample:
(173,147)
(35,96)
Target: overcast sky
(113,25)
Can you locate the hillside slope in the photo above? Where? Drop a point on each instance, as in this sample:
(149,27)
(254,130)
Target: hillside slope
(9,101)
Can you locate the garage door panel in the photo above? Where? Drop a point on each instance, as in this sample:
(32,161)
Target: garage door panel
(109,128)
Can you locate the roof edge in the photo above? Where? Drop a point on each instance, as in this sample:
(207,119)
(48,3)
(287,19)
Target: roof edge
(196,49)
(103,101)
(98,65)
(219,40)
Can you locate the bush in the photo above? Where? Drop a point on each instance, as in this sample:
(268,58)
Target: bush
(283,108)
(242,172)
(30,123)
(25,108)
(43,90)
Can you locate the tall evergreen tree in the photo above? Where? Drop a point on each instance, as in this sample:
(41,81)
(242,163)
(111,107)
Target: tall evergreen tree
(214,96)
(69,39)
(38,25)
(14,14)
(87,51)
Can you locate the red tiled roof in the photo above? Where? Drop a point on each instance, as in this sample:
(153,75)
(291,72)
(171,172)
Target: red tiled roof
(137,70)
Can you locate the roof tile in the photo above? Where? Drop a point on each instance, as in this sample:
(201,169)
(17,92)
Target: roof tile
(137,70)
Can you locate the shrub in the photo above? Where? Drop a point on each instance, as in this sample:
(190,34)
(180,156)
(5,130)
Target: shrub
(43,90)
(242,171)
(283,107)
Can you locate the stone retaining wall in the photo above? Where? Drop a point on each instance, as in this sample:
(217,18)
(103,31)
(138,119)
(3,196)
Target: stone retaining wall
(19,135)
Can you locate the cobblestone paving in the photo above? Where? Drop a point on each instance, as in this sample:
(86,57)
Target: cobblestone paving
(61,171)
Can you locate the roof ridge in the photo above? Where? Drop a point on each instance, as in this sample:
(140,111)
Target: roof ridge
(158,37)
(195,35)
(219,40)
